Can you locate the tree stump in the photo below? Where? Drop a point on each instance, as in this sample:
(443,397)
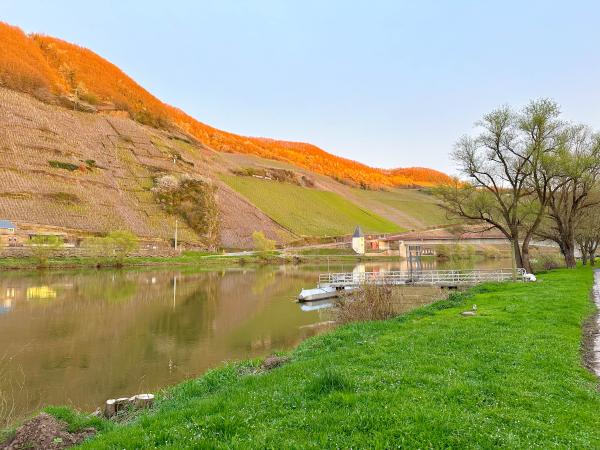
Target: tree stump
(109,408)
(143,401)
(113,406)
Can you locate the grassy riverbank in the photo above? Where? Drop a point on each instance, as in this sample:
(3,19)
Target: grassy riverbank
(512,377)
(210,260)
(186,258)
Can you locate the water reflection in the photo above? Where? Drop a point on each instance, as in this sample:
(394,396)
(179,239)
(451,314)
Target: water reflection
(316,305)
(80,337)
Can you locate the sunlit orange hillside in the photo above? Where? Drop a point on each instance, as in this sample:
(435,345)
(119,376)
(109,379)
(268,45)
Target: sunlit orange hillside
(52,70)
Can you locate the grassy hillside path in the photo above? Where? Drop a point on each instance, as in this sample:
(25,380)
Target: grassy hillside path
(512,376)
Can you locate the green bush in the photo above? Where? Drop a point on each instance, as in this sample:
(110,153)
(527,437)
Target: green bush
(122,244)
(117,244)
(63,165)
(43,247)
(193,199)
(547,262)
(261,243)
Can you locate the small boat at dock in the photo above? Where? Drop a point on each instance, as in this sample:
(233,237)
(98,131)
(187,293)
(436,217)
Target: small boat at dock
(310,295)
(322,293)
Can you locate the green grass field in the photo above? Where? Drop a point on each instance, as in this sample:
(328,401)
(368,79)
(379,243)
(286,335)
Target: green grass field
(510,377)
(420,208)
(308,212)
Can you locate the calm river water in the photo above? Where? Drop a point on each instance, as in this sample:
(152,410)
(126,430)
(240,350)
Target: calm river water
(80,337)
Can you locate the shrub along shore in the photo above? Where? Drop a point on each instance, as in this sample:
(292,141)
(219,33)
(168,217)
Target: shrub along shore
(511,376)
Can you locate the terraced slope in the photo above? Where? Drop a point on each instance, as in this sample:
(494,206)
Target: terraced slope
(94,173)
(64,73)
(308,212)
(412,209)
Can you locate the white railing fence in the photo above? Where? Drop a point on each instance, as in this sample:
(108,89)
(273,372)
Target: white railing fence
(427,277)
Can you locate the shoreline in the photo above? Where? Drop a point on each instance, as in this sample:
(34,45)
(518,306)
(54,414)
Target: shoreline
(377,369)
(203,260)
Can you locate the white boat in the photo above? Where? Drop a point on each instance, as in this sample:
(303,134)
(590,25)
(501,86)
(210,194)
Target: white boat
(308,295)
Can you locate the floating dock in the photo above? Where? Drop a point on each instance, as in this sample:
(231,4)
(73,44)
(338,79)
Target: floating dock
(442,278)
(333,284)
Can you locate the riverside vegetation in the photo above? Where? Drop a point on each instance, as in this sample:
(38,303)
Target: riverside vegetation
(512,376)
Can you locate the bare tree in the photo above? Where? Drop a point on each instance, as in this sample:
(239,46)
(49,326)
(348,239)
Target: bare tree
(510,165)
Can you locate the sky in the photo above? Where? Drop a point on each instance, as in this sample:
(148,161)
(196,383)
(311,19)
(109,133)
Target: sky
(387,83)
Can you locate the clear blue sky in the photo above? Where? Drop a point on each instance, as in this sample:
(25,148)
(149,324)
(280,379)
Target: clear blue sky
(388,83)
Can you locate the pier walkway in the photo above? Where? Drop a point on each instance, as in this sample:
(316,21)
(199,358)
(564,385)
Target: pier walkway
(442,278)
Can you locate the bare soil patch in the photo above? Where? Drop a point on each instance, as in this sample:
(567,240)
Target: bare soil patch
(45,432)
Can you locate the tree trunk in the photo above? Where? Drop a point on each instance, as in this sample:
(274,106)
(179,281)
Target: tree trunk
(517,253)
(525,264)
(592,252)
(584,257)
(569,253)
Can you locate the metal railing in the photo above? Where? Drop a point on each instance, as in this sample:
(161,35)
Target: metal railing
(420,277)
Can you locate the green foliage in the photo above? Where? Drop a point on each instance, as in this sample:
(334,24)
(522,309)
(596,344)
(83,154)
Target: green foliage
(510,377)
(43,247)
(122,243)
(327,382)
(271,173)
(63,165)
(117,245)
(328,251)
(547,262)
(261,243)
(76,420)
(97,246)
(308,212)
(193,199)
(455,252)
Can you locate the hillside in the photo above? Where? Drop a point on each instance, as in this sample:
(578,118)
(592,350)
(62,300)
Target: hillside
(59,72)
(313,212)
(86,173)
(85,154)
(93,173)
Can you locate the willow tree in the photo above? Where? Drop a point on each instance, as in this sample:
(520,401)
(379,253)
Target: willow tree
(510,165)
(587,233)
(573,193)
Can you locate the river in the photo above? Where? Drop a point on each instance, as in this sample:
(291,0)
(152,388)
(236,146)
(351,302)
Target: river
(79,337)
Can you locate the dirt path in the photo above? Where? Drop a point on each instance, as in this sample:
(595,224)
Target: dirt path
(592,330)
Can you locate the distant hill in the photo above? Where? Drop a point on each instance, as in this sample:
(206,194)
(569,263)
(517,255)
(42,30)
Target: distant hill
(62,73)
(84,150)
